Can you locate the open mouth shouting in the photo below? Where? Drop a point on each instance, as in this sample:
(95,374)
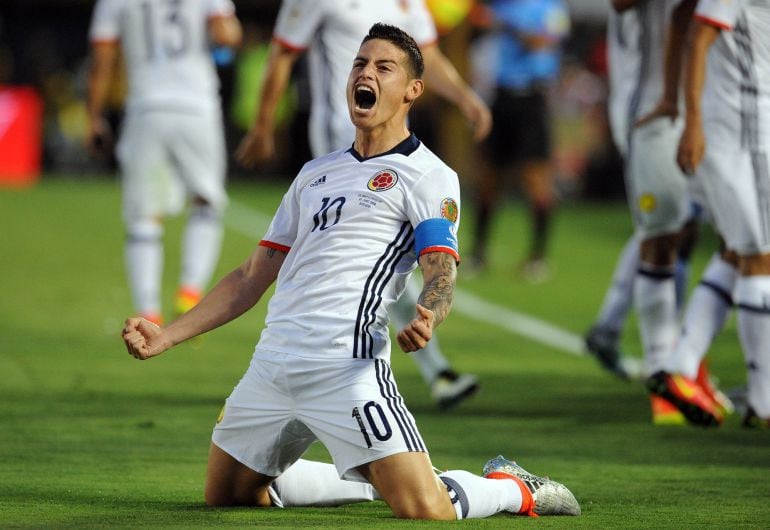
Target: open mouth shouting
(364,98)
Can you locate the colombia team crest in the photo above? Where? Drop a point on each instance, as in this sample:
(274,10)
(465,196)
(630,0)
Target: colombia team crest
(383,180)
(449,209)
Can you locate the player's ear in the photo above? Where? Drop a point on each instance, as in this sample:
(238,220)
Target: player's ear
(414,90)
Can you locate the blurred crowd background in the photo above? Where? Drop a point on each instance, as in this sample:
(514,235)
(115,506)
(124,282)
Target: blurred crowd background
(44,64)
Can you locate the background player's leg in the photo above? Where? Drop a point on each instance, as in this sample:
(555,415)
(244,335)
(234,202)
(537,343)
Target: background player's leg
(201,247)
(603,339)
(538,185)
(655,300)
(688,238)
(751,298)
(144,265)
(704,316)
(199,152)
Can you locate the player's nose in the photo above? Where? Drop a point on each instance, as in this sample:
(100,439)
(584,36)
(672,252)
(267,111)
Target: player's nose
(368,70)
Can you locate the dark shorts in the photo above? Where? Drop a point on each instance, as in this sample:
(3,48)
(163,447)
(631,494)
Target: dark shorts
(521,127)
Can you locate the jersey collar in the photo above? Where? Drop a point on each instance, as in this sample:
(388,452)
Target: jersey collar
(406,147)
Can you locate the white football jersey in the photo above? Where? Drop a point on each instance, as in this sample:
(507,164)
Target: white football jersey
(736,96)
(332,31)
(166,49)
(636,42)
(350,226)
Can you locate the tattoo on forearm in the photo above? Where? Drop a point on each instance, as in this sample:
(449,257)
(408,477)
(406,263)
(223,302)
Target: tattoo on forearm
(437,293)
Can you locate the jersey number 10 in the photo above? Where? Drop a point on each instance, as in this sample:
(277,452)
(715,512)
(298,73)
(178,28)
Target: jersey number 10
(321,217)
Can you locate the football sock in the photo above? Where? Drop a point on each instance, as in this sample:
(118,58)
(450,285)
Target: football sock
(752,299)
(201,246)
(309,483)
(430,361)
(619,296)
(704,316)
(477,497)
(144,264)
(655,301)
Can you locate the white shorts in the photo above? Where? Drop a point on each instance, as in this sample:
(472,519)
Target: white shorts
(737,185)
(657,188)
(284,403)
(166,157)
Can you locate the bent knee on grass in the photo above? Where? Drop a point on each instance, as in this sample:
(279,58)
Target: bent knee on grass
(221,498)
(407,483)
(230,483)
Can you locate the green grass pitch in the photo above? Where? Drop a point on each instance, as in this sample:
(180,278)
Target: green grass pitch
(92,438)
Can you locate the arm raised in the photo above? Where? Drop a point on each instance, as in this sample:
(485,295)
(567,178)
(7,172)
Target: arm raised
(235,294)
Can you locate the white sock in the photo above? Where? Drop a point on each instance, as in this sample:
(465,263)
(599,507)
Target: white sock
(476,497)
(429,359)
(619,295)
(144,264)
(704,317)
(752,298)
(309,483)
(201,247)
(655,300)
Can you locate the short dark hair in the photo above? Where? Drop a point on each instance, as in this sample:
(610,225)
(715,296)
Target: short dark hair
(404,41)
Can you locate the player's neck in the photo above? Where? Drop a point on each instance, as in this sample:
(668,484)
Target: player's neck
(373,142)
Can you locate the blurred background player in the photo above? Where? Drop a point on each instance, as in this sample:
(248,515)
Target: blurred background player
(656,188)
(172,144)
(624,65)
(708,307)
(331,31)
(725,144)
(526,57)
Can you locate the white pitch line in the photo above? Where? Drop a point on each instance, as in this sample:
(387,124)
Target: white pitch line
(245,220)
(252,223)
(517,323)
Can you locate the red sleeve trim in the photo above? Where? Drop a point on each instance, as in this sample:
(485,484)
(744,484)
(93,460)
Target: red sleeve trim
(449,250)
(713,22)
(274,246)
(287,45)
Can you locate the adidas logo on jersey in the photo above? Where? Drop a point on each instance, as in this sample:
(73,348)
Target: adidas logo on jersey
(318,181)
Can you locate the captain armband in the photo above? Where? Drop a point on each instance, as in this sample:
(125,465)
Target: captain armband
(436,235)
